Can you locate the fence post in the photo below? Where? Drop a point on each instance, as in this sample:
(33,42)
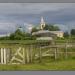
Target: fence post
(2,56)
(5,56)
(34,51)
(55,53)
(31,53)
(40,55)
(23,55)
(66,53)
(27,53)
(8,55)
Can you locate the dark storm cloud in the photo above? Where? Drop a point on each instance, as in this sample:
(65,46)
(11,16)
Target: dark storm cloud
(30,13)
(61,16)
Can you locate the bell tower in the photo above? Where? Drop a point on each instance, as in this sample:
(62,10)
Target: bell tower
(42,23)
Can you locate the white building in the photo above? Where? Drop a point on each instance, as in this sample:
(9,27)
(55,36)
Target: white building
(58,33)
(46,34)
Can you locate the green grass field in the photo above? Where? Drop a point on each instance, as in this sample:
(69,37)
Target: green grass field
(21,41)
(55,65)
(46,64)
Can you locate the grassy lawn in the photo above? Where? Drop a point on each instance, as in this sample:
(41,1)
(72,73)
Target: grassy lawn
(54,65)
(22,41)
(68,64)
(33,41)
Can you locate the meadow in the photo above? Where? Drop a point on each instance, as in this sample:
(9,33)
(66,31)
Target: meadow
(44,66)
(47,63)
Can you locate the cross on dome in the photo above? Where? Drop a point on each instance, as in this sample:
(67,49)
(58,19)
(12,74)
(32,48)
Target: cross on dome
(42,23)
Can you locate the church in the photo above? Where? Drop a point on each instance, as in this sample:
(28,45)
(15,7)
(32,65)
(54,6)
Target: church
(46,34)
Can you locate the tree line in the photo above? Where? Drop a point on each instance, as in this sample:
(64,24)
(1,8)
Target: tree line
(71,34)
(20,35)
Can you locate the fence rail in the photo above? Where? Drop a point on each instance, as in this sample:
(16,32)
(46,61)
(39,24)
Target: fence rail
(28,53)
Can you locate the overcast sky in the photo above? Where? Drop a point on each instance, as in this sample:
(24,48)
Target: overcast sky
(11,14)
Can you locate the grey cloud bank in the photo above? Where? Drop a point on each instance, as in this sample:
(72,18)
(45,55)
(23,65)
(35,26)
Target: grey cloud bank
(12,14)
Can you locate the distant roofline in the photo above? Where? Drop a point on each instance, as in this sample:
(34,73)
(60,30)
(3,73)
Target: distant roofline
(46,31)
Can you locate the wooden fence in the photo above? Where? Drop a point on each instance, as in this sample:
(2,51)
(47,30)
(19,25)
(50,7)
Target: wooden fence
(23,54)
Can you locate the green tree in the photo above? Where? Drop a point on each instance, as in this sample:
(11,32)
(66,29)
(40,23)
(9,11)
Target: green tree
(51,27)
(34,29)
(12,36)
(18,35)
(66,34)
(73,32)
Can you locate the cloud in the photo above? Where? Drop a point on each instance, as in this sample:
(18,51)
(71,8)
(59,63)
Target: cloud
(30,8)
(30,13)
(6,28)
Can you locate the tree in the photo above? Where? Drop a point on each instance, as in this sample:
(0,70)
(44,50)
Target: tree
(34,29)
(12,36)
(18,35)
(66,34)
(46,27)
(73,32)
(51,27)
(56,28)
